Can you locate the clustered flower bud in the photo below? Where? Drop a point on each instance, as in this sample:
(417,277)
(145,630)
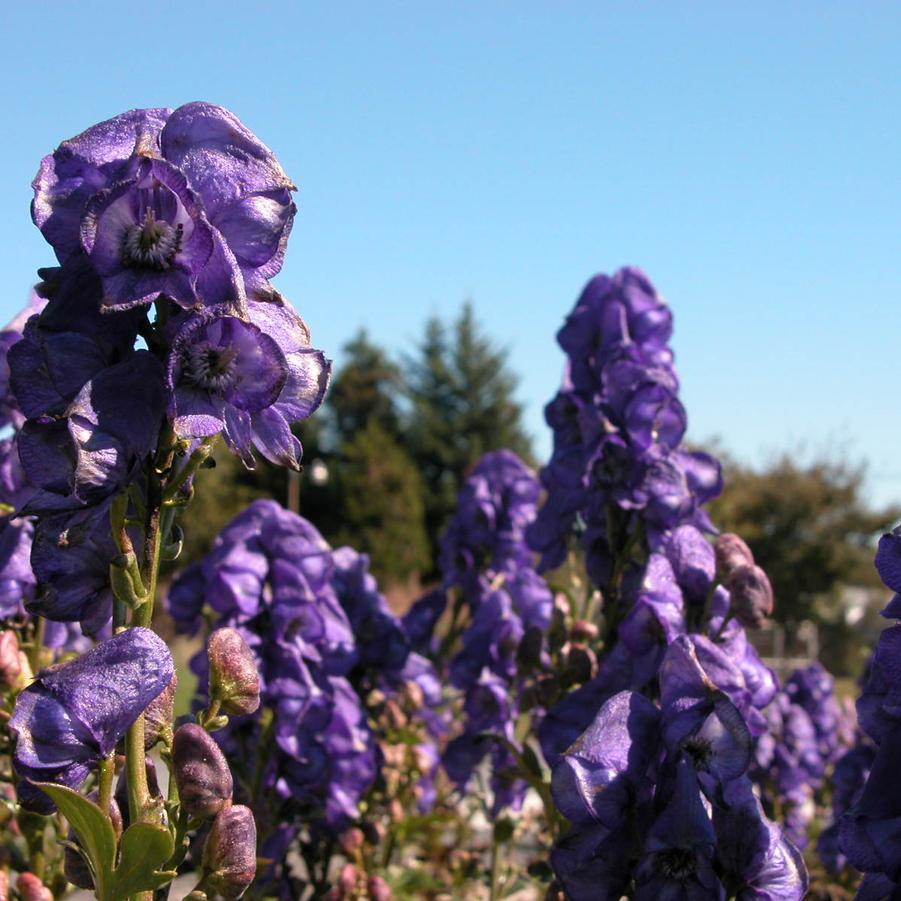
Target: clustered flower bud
(201,772)
(14,668)
(30,888)
(751,594)
(749,587)
(234,680)
(230,852)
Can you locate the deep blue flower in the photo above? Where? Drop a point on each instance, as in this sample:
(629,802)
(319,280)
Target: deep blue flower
(76,712)
(108,431)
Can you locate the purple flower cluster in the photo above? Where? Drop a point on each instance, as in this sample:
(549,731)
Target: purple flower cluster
(683,820)
(659,799)
(269,576)
(188,211)
(807,732)
(617,424)
(321,634)
(869,828)
(850,775)
(487,564)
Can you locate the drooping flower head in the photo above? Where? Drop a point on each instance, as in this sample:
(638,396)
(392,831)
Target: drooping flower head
(188,203)
(76,712)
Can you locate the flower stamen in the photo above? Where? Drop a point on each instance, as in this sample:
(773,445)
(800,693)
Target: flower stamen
(152,243)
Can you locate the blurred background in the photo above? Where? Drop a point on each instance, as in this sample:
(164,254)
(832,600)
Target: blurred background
(464,168)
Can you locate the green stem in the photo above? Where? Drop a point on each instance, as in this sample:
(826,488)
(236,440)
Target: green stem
(195,461)
(107,772)
(139,800)
(37,644)
(495,870)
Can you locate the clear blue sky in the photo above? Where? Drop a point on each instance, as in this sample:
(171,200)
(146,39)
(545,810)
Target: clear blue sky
(746,155)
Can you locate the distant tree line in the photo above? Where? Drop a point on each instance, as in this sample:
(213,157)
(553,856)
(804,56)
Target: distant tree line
(385,456)
(811,529)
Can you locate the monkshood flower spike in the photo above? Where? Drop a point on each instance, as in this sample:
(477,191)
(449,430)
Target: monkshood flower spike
(157,333)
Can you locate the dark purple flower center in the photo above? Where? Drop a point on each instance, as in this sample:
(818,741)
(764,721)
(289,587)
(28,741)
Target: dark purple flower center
(699,751)
(677,863)
(211,367)
(151,243)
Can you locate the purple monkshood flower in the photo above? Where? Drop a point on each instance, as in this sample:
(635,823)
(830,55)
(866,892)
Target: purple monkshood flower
(10,407)
(888,565)
(188,203)
(851,772)
(71,556)
(879,706)
(486,535)
(310,616)
(700,693)
(17,581)
(813,689)
(608,768)
(758,862)
(869,829)
(76,712)
(249,379)
(107,433)
(617,425)
(381,642)
(679,850)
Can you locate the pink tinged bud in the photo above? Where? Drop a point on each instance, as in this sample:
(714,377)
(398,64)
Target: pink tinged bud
(30,888)
(230,852)
(10,659)
(379,889)
(4,885)
(159,715)
(201,772)
(731,553)
(351,840)
(583,630)
(234,680)
(347,881)
(751,594)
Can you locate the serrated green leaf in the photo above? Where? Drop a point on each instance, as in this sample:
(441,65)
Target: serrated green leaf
(145,848)
(94,830)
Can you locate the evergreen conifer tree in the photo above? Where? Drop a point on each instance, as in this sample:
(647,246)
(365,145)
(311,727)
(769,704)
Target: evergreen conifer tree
(462,405)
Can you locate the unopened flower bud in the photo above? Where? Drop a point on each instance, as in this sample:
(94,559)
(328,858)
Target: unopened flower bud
(158,716)
(583,630)
(751,594)
(11,659)
(234,680)
(351,840)
(30,888)
(378,889)
(395,717)
(347,880)
(731,553)
(201,772)
(414,695)
(230,852)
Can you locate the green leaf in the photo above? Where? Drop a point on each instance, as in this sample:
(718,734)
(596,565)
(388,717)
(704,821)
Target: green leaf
(144,850)
(94,830)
